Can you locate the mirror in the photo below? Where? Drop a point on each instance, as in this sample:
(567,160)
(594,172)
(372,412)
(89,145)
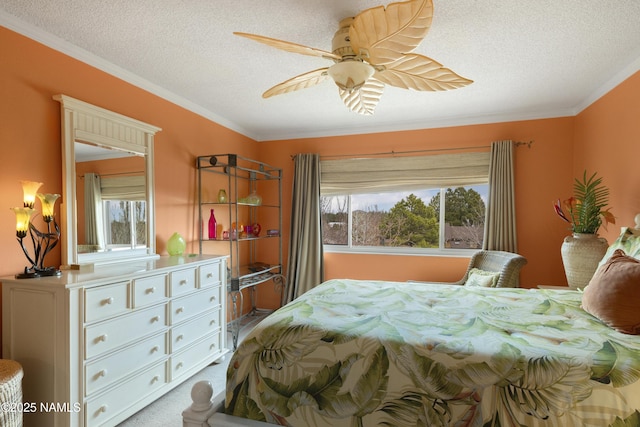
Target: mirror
(112,155)
(110,199)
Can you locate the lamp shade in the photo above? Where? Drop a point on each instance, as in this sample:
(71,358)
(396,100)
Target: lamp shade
(30,188)
(350,74)
(48,202)
(23,218)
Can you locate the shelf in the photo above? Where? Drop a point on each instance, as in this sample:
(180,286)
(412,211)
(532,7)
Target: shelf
(242,239)
(263,205)
(247,282)
(247,278)
(231,164)
(242,178)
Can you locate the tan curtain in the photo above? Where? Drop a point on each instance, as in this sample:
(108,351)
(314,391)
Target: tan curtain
(349,176)
(93,221)
(500,220)
(305,262)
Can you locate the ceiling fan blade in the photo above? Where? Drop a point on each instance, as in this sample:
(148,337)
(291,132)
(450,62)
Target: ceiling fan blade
(365,99)
(290,47)
(302,81)
(382,35)
(418,72)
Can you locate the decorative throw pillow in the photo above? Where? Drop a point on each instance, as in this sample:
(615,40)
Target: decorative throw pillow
(487,279)
(613,294)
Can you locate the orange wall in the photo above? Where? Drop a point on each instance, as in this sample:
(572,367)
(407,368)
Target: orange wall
(601,138)
(541,177)
(607,137)
(30,144)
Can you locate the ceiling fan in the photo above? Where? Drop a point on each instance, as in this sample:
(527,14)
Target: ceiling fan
(370,50)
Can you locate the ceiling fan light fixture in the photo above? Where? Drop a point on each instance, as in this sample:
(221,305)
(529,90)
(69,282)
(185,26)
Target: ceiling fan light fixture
(351,74)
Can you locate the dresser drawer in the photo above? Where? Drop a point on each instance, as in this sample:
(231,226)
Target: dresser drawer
(191,305)
(106,301)
(209,275)
(100,410)
(191,331)
(182,281)
(109,335)
(149,290)
(102,372)
(184,361)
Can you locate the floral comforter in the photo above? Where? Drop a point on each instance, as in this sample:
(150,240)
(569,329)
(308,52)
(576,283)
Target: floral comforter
(371,353)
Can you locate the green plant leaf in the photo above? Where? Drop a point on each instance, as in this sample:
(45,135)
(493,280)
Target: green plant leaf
(591,199)
(631,421)
(616,364)
(416,409)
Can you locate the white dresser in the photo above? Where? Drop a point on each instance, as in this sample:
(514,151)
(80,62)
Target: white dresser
(96,346)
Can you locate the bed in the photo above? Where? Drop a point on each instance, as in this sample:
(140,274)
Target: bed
(373,353)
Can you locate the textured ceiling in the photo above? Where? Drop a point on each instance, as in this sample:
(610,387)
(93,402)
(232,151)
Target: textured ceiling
(528,59)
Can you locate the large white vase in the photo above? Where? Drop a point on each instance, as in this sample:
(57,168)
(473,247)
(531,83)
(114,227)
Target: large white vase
(581,254)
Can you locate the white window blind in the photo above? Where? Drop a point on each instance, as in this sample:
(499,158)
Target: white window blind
(352,176)
(130,188)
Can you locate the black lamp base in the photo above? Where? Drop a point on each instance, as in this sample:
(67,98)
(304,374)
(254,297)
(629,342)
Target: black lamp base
(27,274)
(32,273)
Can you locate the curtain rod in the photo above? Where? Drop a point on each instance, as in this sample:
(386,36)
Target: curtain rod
(393,153)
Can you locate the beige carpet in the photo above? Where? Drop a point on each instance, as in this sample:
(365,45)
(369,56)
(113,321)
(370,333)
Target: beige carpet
(167,411)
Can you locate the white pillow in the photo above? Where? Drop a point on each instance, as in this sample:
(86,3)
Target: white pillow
(487,279)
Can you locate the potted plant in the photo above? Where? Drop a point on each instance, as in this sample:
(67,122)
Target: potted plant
(586,211)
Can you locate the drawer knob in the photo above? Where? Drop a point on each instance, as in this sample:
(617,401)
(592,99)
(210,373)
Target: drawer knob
(102,373)
(213,298)
(179,310)
(155,379)
(155,319)
(107,301)
(179,337)
(179,365)
(213,322)
(155,349)
(209,276)
(151,290)
(103,408)
(102,338)
(183,282)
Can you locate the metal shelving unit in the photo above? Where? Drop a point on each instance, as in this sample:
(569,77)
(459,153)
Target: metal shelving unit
(242,178)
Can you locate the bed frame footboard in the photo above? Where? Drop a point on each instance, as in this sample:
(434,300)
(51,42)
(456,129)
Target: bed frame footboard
(198,414)
(207,411)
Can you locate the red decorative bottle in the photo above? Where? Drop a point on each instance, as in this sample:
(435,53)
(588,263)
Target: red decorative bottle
(213,229)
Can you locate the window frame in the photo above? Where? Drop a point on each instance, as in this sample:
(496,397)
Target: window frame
(349,248)
(106,226)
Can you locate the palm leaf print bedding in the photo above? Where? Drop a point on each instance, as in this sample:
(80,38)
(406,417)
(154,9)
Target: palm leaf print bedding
(373,353)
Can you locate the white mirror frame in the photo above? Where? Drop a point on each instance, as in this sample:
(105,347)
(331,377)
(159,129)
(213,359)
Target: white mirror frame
(84,122)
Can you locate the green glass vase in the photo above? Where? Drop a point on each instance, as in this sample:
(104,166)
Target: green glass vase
(176,244)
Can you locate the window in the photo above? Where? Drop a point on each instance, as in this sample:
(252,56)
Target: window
(125,224)
(405,204)
(406,220)
(124,212)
